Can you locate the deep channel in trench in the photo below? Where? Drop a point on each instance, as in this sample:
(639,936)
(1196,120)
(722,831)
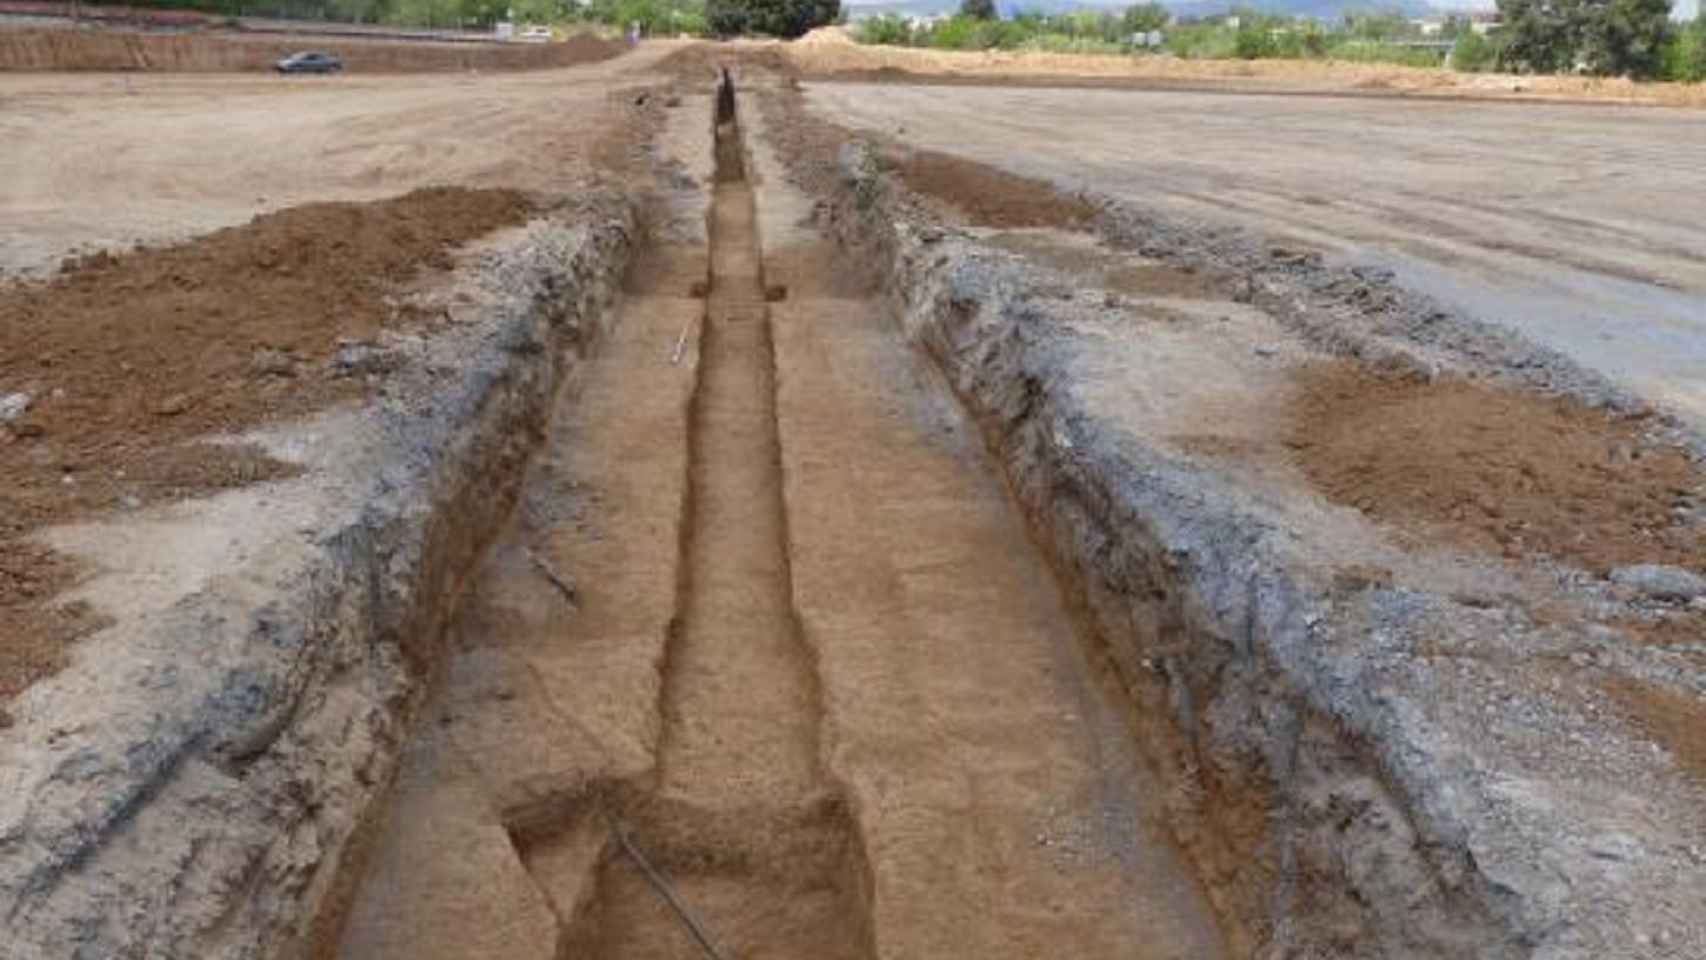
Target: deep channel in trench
(741,839)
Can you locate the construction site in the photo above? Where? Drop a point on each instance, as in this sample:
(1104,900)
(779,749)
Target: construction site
(758,499)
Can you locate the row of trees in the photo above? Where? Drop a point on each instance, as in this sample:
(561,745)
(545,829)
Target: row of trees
(782,18)
(1605,37)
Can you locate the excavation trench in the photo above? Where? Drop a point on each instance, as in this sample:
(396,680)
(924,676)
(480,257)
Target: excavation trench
(740,847)
(767,665)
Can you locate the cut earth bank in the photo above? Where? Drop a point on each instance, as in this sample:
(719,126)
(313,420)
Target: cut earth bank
(1378,577)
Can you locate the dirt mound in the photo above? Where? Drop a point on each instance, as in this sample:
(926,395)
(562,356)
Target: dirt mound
(1492,469)
(210,52)
(987,196)
(704,61)
(129,358)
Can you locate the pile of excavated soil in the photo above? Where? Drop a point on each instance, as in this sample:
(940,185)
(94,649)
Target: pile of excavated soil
(215,52)
(986,196)
(128,359)
(703,62)
(1490,469)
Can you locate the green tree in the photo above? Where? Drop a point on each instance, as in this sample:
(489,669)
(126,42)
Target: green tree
(1684,56)
(1625,37)
(777,18)
(1599,36)
(1144,17)
(978,9)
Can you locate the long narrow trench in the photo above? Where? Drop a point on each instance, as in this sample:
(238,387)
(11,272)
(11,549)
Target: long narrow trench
(754,843)
(768,614)
(741,708)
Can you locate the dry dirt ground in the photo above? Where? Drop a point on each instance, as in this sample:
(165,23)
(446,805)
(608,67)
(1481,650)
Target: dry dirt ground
(830,53)
(768,618)
(1578,226)
(101,160)
(128,355)
(231,52)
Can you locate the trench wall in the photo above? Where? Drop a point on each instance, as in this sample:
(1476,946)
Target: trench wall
(1309,839)
(213,798)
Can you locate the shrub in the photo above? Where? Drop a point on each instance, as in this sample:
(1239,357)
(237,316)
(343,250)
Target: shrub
(978,9)
(1200,42)
(954,33)
(1473,53)
(1683,57)
(1253,42)
(887,29)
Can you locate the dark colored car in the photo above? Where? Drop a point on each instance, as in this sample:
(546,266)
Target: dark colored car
(309,62)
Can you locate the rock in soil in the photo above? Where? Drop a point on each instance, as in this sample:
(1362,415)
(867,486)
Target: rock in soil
(13,406)
(1661,582)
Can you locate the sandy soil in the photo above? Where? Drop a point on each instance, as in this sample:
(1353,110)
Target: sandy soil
(101,160)
(1577,226)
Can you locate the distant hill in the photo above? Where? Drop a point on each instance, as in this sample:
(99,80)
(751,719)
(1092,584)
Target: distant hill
(1320,9)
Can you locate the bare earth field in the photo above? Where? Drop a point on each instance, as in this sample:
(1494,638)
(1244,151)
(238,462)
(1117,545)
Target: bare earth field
(859,505)
(1578,226)
(101,160)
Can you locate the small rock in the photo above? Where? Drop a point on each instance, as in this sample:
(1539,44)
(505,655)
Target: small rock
(268,362)
(1265,351)
(672,101)
(28,430)
(1616,847)
(360,357)
(13,405)
(173,405)
(1661,582)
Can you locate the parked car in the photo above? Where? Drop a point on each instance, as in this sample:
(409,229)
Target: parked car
(534,35)
(309,61)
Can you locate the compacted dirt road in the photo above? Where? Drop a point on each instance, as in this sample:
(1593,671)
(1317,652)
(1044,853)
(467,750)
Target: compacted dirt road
(1579,226)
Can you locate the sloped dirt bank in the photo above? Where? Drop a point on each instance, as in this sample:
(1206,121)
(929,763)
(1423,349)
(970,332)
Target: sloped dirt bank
(200,779)
(1415,762)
